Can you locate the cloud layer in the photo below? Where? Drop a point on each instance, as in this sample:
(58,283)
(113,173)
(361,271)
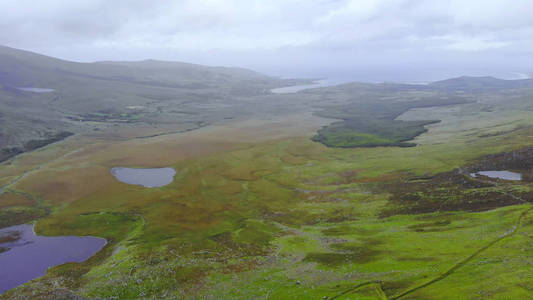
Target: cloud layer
(279,36)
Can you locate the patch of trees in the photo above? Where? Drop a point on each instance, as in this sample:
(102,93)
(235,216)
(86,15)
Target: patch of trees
(7,153)
(373,124)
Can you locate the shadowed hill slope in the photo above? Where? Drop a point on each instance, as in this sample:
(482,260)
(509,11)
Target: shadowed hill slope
(62,96)
(478,84)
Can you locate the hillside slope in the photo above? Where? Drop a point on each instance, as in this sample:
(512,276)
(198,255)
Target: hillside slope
(60,96)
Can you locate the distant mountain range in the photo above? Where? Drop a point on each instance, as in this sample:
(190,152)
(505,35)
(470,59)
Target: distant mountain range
(470,83)
(45,99)
(42,98)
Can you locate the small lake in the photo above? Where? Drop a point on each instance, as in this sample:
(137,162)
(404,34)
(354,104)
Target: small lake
(35,90)
(316,84)
(506,175)
(25,256)
(150,178)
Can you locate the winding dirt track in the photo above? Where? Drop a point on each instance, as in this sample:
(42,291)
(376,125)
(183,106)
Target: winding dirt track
(4,188)
(354,288)
(452,269)
(468,259)
(473,255)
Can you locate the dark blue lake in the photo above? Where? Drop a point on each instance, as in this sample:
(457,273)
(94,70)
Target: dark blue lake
(29,256)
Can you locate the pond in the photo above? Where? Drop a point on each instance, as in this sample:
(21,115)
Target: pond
(296,88)
(150,178)
(35,90)
(25,256)
(506,175)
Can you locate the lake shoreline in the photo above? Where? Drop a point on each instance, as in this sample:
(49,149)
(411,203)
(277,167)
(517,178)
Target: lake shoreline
(29,256)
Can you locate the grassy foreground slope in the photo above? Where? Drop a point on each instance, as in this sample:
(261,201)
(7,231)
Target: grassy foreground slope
(257,210)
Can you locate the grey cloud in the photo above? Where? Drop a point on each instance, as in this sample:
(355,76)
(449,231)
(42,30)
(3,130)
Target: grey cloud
(277,35)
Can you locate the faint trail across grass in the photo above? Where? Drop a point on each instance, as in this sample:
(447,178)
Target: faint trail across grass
(466,260)
(379,288)
(4,188)
(458,265)
(172,132)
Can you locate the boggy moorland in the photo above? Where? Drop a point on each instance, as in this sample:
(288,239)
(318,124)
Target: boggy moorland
(257,209)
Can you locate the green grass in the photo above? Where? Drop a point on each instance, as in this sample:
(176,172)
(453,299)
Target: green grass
(292,219)
(246,223)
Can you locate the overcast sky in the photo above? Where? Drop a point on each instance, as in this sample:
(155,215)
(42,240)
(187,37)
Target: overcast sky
(363,39)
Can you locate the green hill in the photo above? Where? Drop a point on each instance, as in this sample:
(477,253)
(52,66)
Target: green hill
(93,96)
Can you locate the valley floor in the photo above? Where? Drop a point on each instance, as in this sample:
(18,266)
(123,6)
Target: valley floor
(259,211)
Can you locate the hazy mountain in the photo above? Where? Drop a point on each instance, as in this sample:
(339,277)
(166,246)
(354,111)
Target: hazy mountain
(41,96)
(468,83)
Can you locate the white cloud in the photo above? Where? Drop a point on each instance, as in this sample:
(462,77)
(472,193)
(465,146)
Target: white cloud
(475,44)
(356,30)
